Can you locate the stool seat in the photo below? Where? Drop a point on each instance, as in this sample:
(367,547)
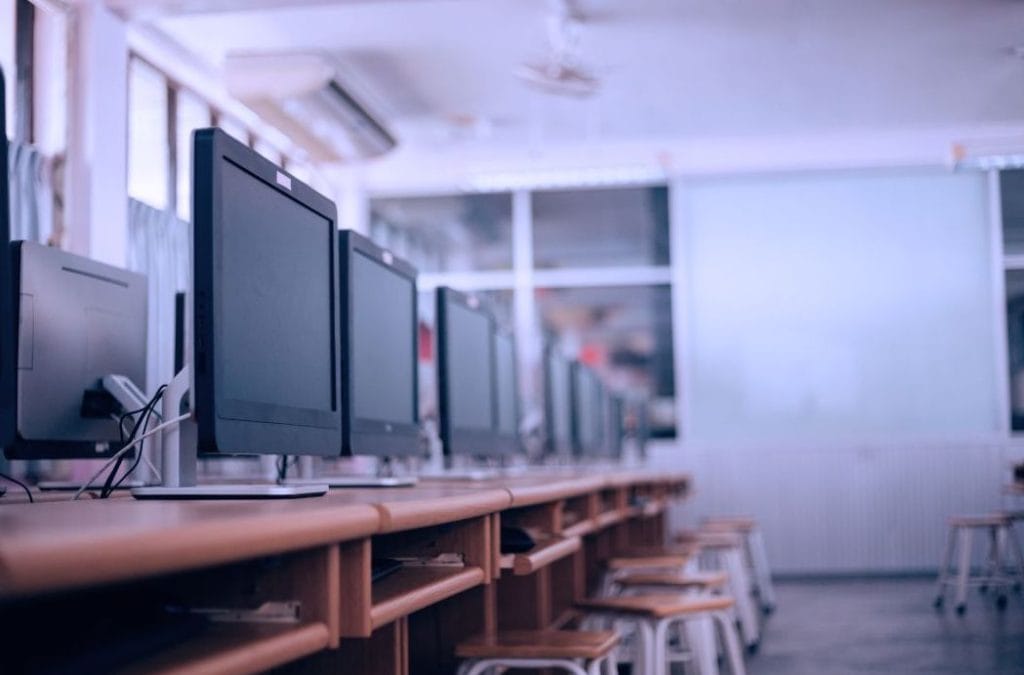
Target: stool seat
(706,580)
(742,524)
(652,556)
(659,606)
(982,520)
(539,644)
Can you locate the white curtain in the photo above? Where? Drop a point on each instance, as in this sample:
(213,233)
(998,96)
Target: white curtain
(159,246)
(31,193)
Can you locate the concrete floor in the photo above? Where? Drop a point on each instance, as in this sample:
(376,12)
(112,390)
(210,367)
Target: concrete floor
(886,627)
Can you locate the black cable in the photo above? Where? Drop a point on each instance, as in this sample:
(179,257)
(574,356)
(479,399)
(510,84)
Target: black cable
(144,414)
(140,427)
(19,484)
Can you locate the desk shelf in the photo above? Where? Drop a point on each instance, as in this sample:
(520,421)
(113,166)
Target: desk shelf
(410,589)
(542,555)
(237,649)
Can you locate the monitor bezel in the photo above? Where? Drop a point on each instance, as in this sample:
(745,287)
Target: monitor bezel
(8,317)
(229,426)
(579,448)
(462,442)
(507,444)
(363,436)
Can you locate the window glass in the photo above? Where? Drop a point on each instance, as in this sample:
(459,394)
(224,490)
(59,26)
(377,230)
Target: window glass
(625,333)
(148,156)
(192,114)
(457,233)
(600,228)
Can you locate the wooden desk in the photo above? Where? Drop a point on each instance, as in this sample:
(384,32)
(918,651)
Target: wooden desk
(65,564)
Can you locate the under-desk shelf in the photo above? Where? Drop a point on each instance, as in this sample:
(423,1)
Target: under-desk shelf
(237,649)
(410,589)
(542,555)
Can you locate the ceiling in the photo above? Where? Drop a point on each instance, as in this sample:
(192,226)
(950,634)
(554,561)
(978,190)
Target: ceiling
(442,70)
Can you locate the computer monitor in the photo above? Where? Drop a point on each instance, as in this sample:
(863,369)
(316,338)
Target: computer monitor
(265,372)
(266,328)
(465,372)
(78,321)
(506,393)
(615,425)
(379,351)
(588,414)
(557,403)
(8,323)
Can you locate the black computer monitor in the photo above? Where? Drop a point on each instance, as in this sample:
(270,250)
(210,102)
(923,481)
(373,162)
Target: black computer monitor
(266,314)
(379,350)
(615,426)
(557,403)
(587,412)
(8,322)
(465,372)
(78,321)
(506,393)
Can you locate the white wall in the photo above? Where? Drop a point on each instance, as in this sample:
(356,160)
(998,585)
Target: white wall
(840,374)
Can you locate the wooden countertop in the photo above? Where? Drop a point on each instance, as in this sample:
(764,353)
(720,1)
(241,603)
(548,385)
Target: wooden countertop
(66,544)
(426,504)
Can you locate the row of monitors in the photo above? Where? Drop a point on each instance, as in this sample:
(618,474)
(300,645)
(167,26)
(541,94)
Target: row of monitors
(304,339)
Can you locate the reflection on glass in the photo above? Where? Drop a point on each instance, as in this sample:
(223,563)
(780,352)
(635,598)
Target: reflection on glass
(192,114)
(457,233)
(1011,195)
(600,228)
(624,332)
(148,155)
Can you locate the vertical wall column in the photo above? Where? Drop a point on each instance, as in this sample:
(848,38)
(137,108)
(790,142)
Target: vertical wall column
(97,170)
(528,338)
(7,40)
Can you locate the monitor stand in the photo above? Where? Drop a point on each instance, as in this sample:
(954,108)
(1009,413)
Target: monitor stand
(306,477)
(179,458)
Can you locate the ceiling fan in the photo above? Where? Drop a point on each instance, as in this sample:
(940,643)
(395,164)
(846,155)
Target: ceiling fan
(560,72)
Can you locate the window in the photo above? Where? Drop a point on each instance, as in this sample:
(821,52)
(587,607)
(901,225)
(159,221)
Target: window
(191,113)
(600,228)
(148,156)
(625,333)
(457,233)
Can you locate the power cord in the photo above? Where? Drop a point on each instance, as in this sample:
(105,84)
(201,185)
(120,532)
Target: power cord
(19,484)
(143,423)
(155,430)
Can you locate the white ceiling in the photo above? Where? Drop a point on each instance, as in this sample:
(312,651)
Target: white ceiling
(671,69)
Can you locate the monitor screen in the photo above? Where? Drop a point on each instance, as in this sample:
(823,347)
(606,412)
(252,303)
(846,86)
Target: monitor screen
(276,327)
(559,403)
(468,407)
(383,342)
(505,372)
(588,410)
(266,314)
(469,346)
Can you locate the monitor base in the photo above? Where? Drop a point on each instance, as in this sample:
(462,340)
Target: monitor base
(230,491)
(355,481)
(470,475)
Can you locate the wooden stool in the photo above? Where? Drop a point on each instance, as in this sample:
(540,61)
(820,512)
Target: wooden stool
(756,555)
(723,551)
(709,582)
(579,652)
(1001,535)
(654,614)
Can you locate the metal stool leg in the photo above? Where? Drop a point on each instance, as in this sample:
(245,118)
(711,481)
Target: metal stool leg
(740,585)
(732,643)
(1013,543)
(759,558)
(964,569)
(946,562)
(700,636)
